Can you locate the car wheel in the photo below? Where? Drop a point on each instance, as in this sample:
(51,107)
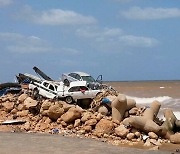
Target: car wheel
(66,82)
(69,100)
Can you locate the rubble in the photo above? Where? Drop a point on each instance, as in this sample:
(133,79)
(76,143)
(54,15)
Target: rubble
(123,122)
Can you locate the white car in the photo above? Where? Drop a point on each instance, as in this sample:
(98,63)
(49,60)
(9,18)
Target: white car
(81,76)
(75,91)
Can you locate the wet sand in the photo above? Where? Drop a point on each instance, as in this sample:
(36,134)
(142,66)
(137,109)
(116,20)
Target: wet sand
(43,143)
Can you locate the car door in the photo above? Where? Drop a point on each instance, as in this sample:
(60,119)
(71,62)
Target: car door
(78,92)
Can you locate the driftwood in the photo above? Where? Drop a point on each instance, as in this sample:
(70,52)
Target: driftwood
(119,106)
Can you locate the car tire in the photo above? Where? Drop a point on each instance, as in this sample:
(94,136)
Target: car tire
(69,100)
(66,82)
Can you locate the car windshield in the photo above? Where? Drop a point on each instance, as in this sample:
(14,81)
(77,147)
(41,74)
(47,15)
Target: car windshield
(88,78)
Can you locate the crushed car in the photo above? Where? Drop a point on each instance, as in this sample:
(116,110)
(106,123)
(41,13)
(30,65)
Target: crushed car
(76,90)
(82,76)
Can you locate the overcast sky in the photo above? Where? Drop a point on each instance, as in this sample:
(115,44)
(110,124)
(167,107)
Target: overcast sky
(120,39)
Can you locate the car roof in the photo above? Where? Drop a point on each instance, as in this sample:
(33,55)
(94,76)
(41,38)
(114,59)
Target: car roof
(81,73)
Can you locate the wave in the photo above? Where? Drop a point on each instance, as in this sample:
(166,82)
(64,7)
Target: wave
(150,99)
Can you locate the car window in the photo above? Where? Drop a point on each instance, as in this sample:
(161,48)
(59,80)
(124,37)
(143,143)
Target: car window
(88,78)
(45,84)
(72,75)
(51,87)
(78,77)
(83,88)
(73,89)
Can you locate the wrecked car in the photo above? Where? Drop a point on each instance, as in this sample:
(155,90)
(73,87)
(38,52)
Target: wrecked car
(81,76)
(6,88)
(76,90)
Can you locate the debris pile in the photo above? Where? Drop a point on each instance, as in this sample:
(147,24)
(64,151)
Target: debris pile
(119,121)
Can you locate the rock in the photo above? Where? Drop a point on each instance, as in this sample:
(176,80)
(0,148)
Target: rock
(46,104)
(155,142)
(21,107)
(130,136)
(147,143)
(8,106)
(99,116)
(71,115)
(22,98)
(66,106)
(77,123)
(87,129)
(70,126)
(152,135)
(137,134)
(154,148)
(63,124)
(86,116)
(130,104)
(104,126)
(121,131)
(55,111)
(91,122)
(27,126)
(175,138)
(22,113)
(103,110)
(29,102)
(14,111)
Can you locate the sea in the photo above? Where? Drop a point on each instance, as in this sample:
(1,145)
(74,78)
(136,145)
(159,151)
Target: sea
(145,92)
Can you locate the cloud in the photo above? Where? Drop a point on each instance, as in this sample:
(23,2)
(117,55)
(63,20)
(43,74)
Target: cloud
(114,38)
(151,13)
(5,2)
(56,17)
(14,42)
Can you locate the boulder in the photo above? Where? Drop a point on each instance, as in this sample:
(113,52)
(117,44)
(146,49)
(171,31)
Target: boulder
(29,102)
(21,107)
(87,129)
(130,136)
(77,123)
(104,126)
(152,135)
(86,116)
(91,122)
(71,115)
(22,113)
(175,138)
(121,131)
(103,110)
(8,106)
(22,98)
(46,104)
(130,104)
(55,111)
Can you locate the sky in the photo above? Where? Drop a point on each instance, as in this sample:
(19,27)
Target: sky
(124,40)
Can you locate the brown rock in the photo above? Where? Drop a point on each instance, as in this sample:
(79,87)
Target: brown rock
(63,124)
(133,111)
(103,110)
(27,126)
(21,107)
(130,136)
(71,115)
(87,129)
(175,138)
(77,123)
(104,126)
(22,113)
(46,104)
(152,135)
(8,106)
(22,97)
(70,126)
(66,106)
(14,111)
(99,116)
(86,116)
(137,134)
(91,122)
(55,111)
(29,102)
(121,131)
